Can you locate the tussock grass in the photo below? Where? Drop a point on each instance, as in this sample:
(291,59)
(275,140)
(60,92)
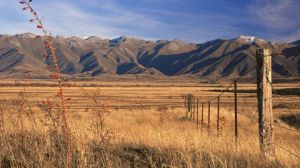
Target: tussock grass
(144,136)
(142,139)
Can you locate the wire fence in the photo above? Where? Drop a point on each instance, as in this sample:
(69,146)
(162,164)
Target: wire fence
(195,107)
(199,109)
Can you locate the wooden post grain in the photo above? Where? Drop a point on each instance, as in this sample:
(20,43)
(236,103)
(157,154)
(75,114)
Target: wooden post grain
(264,97)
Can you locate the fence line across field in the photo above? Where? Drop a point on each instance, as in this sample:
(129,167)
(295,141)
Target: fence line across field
(197,106)
(264,88)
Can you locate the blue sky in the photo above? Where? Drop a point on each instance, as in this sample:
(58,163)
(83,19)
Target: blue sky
(189,20)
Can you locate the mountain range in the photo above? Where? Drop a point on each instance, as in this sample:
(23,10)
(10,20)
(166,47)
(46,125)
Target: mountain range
(94,57)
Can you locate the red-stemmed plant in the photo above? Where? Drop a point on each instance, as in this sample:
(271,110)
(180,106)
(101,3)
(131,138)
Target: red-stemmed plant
(50,50)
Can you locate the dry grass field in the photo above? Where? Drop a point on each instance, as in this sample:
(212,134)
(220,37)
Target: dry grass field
(141,119)
(140,125)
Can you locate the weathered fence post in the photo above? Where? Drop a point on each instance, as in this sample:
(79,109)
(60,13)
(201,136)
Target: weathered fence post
(235,112)
(208,117)
(202,117)
(264,97)
(194,108)
(185,102)
(191,97)
(197,113)
(218,114)
(189,105)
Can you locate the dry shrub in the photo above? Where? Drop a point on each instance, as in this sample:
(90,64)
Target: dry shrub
(32,149)
(145,156)
(57,132)
(24,110)
(177,144)
(100,111)
(50,55)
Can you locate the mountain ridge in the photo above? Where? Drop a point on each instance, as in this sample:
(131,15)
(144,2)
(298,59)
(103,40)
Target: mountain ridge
(93,56)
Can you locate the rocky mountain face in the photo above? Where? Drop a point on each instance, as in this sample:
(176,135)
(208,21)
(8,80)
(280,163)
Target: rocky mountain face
(92,57)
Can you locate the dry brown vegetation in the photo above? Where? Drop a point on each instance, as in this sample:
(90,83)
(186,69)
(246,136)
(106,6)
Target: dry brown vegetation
(135,127)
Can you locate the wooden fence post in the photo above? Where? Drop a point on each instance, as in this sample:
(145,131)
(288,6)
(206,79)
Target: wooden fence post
(202,117)
(208,117)
(186,104)
(189,105)
(218,114)
(197,113)
(235,112)
(194,108)
(264,97)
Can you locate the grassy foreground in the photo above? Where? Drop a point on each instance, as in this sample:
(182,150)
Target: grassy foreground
(156,136)
(137,139)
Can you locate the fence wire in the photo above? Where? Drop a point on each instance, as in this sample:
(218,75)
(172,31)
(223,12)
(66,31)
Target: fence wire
(226,89)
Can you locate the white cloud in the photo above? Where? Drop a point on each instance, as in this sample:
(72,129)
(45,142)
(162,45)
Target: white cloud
(109,19)
(64,18)
(281,15)
(118,15)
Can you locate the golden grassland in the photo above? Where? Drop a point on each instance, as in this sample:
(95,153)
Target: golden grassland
(145,127)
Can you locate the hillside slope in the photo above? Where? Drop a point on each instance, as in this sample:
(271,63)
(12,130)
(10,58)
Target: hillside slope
(90,57)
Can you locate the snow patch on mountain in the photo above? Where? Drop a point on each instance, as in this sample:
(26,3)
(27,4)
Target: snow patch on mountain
(250,39)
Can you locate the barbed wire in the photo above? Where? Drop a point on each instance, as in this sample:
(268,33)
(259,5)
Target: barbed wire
(288,129)
(289,151)
(295,115)
(281,101)
(230,85)
(278,54)
(279,146)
